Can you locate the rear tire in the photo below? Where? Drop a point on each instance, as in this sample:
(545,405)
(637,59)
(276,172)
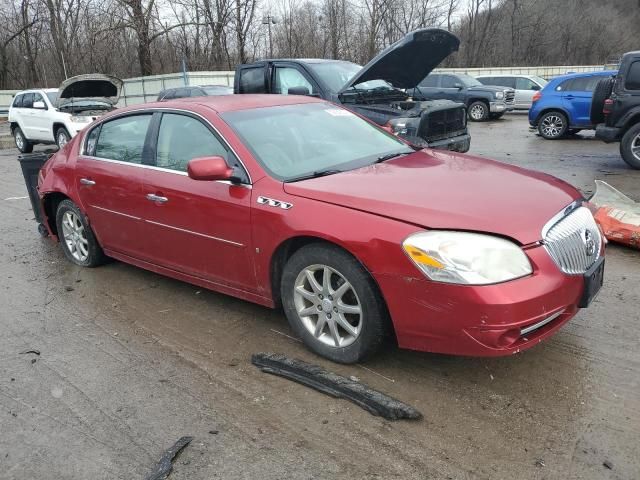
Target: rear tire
(333,304)
(630,147)
(602,91)
(24,145)
(62,137)
(553,125)
(78,242)
(478,111)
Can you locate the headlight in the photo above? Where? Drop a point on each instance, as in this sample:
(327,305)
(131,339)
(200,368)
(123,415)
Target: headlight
(499,95)
(466,258)
(398,126)
(80,119)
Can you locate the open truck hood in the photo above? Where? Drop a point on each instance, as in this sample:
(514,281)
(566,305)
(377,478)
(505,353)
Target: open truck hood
(90,87)
(405,63)
(441,190)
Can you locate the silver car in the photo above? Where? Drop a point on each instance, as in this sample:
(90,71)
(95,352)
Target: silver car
(525,86)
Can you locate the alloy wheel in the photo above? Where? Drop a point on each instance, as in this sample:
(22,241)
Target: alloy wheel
(477,112)
(552,125)
(62,139)
(635,147)
(328,306)
(75,236)
(19,140)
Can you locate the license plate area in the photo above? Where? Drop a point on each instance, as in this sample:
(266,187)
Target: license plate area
(593,280)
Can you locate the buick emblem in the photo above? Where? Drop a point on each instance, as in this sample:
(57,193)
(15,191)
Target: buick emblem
(589,242)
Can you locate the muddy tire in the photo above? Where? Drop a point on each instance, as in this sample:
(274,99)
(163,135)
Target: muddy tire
(478,111)
(22,144)
(78,242)
(630,147)
(553,125)
(62,137)
(602,91)
(333,304)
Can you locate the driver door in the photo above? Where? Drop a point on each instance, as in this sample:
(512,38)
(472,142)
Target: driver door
(286,77)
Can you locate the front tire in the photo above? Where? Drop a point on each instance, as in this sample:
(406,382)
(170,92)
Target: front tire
(630,147)
(553,125)
(24,145)
(76,237)
(62,137)
(478,111)
(333,304)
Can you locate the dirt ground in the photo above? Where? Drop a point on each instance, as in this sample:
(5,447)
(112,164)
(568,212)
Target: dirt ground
(130,361)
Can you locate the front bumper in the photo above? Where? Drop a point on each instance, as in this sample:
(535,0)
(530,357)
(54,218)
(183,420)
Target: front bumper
(500,107)
(460,143)
(607,134)
(490,320)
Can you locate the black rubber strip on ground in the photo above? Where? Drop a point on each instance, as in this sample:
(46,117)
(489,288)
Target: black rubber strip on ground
(337,386)
(163,468)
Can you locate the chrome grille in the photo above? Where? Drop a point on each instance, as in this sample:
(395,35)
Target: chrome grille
(573,241)
(509,97)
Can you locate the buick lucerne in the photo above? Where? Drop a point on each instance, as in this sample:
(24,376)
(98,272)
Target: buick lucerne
(295,202)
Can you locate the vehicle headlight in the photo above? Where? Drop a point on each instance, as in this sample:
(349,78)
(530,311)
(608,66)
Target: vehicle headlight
(80,119)
(466,258)
(398,126)
(499,95)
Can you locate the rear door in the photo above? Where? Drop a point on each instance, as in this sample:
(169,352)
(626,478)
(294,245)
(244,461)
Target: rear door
(26,113)
(201,228)
(109,181)
(251,79)
(576,98)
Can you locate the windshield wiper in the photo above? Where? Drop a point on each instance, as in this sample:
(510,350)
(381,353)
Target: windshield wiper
(389,156)
(316,174)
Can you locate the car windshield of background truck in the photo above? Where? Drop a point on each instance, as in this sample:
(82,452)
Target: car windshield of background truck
(296,141)
(335,75)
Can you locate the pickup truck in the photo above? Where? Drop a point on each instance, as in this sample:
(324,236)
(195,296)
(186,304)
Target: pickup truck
(376,91)
(55,115)
(483,102)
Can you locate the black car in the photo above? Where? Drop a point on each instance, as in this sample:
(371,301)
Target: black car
(615,108)
(377,90)
(201,91)
(483,101)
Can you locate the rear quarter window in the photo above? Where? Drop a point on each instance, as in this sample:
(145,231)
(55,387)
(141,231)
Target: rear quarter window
(252,80)
(632,81)
(17,102)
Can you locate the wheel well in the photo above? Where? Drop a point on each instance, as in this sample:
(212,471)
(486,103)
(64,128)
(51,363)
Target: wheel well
(57,126)
(13,126)
(630,123)
(553,109)
(483,100)
(51,202)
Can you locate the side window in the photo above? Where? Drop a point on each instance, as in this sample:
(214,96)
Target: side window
(182,138)
(92,140)
(632,82)
(27,100)
(591,83)
(252,80)
(449,81)
(487,80)
(17,102)
(505,82)
(38,98)
(287,77)
(567,85)
(123,138)
(526,84)
(430,81)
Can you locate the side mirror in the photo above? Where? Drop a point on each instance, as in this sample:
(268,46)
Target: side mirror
(209,168)
(39,105)
(298,91)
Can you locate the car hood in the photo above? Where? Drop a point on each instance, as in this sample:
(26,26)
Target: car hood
(90,87)
(405,63)
(440,190)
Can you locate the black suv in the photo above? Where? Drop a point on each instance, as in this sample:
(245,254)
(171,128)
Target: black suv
(483,101)
(375,91)
(615,108)
(182,92)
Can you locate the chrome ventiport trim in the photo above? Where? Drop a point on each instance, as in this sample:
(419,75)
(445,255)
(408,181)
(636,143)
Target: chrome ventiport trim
(540,324)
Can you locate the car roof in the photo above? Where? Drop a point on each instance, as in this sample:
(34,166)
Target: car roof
(33,90)
(229,103)
(303,60)
(505,75)
(567,76)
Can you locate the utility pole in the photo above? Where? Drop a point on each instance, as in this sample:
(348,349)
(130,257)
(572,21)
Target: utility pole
(268,20)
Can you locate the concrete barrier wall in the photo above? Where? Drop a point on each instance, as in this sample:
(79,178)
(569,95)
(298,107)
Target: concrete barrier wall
(146,89)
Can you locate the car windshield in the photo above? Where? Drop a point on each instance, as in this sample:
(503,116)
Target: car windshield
(539,80)
(335,75)
(53,96)
(468,80)
(296,141)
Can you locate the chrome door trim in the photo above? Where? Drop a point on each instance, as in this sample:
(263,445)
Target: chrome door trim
(230,242)
(114,212)
(151,111)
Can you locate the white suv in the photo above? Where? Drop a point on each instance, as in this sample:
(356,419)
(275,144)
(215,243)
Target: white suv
(55,115)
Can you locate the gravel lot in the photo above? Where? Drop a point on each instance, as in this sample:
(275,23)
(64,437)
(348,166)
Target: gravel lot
(130,361)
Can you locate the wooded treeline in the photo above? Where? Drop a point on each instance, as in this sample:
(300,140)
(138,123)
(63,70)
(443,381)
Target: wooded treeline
(42,41)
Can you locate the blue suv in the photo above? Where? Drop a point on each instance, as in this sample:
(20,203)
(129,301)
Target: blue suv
(562,107)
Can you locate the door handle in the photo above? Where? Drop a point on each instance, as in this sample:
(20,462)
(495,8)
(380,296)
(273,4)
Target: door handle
(156,198)
(569,97)
(86,181)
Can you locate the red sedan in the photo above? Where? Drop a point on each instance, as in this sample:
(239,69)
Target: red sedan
(296,202)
